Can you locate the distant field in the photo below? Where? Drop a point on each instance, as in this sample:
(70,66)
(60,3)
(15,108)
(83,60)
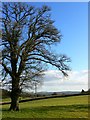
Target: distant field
(68,107)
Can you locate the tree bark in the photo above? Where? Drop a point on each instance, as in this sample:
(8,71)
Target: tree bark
(15,95)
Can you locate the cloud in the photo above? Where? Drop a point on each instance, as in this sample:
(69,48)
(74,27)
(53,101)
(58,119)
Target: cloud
(54,81)
(52,75)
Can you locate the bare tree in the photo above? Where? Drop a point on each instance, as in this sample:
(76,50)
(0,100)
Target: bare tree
(27,34)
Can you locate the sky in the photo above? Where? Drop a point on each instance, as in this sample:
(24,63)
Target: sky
(45,0)
(71,18)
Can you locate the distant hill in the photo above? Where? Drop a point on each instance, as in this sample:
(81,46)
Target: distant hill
(5,94)
(59,93)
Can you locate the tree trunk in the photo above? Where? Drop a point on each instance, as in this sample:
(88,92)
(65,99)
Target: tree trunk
(15,95)
(14,104)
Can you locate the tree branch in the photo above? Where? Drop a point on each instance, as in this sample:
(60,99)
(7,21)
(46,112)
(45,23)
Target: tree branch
(6,69)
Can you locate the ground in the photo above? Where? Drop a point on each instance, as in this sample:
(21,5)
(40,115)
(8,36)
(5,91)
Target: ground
(66,107)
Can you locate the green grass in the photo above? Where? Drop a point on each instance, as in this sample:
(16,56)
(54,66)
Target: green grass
(69,107)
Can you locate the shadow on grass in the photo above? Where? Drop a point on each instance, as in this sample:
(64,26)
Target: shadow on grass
(11,115)
(64,108)
(67,108)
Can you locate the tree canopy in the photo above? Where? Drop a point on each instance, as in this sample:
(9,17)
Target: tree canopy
(27,35)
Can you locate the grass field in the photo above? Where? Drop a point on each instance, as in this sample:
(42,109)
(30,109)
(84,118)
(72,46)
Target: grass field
(68,107)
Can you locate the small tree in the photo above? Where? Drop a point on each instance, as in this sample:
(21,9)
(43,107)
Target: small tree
(82,91)
(27,34)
